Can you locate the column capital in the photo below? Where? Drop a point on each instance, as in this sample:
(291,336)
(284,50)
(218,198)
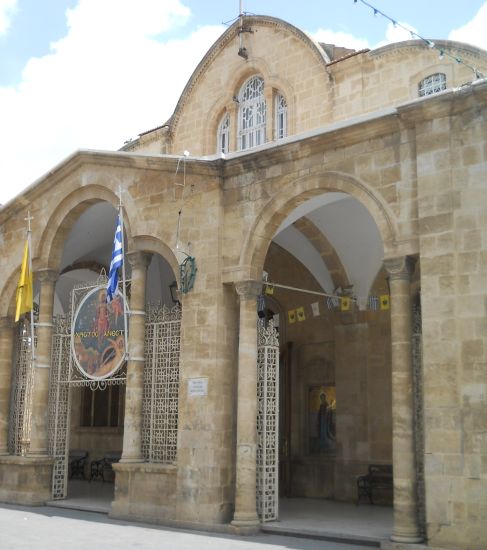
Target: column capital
(139,259)
(47,275)
(6,322)
(248,289)
(400,268)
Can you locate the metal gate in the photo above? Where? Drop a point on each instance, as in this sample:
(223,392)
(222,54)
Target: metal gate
(267,421)
(21,394)
(59,405)
(161,384)
(62,378)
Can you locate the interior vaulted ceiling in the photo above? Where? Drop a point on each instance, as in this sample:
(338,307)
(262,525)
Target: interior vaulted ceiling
(347,227)
(332,235)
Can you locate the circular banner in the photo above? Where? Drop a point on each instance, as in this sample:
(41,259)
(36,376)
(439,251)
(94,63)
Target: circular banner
(98,334)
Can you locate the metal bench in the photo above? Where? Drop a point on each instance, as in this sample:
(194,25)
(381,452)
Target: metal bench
(378,478)
(76,463)
(102,468)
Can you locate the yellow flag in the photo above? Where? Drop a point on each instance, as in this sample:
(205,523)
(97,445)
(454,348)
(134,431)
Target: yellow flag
(291,316)
(301,314)
(345,303)
(24,288)
(269,290)
(384,301)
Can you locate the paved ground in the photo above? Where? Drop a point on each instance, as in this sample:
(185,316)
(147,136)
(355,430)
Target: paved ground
(48,528)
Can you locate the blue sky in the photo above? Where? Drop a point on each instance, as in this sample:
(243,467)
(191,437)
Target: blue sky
(71,74)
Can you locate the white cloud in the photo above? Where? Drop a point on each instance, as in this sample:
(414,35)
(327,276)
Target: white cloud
(474,32)
(394,33)
(339,38)
(7,10)
(111,77)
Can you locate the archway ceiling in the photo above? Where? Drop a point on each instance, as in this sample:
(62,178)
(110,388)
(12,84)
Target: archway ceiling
(349,228)
(345,222)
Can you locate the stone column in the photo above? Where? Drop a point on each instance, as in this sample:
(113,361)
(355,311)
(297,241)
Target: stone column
(132,441)
(6,356)
(40,389)
(245,503)
(270,107)
(406,528)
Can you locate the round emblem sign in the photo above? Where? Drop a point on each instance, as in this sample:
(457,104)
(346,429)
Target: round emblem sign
(98,334)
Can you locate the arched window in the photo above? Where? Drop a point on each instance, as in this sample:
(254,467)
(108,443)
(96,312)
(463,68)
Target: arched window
(223,136)
(432,84)
(252,113)
(281,116)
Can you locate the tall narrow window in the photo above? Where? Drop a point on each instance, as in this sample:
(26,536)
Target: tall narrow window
(223,137)
(252,114)
(281,116)
(432,84)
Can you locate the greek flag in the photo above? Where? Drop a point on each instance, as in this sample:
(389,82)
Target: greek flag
(117,260)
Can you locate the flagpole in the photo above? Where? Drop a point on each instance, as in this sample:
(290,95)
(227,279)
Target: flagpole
(29,248)
(125,312)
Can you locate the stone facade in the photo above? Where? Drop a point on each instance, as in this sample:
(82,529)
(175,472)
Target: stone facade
(355,126)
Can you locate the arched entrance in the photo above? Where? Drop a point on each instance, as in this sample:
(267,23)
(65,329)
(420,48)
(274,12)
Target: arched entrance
(86,411)
(382,287)
(326,258)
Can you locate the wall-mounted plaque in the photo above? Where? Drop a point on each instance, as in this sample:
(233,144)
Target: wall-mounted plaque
(197,387)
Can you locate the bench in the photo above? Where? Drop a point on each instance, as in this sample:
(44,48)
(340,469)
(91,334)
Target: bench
(378,478)
(76,463)
(103,467)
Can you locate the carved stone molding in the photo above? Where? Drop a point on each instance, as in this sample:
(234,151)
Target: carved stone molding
(139,260)
(248,289)
(400,268)
(47,275)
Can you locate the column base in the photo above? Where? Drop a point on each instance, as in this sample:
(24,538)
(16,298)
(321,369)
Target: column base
(407,539)
(25,480)
(131,459)
(246,526)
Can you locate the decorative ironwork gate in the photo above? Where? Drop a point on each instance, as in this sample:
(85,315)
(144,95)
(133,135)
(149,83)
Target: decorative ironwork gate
(161,384)
(267,422)
(62,378)
(417,353)
(59,405)
(21,395)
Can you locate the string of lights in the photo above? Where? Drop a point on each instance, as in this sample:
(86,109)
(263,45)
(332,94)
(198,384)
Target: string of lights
(443,52)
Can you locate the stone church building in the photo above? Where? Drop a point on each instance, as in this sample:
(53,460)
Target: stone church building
(307,295)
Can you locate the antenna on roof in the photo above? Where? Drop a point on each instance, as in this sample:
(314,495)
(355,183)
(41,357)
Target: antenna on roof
(242,50)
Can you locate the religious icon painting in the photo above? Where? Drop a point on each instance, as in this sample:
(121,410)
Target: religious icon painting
(322,419)
(98,335)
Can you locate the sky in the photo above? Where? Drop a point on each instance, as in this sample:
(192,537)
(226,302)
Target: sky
(92,74)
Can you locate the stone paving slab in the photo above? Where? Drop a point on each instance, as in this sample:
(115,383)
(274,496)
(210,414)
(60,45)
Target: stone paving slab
(48,528)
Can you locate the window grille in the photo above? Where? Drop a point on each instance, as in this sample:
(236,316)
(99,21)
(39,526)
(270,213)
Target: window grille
(21,392)
(432,84)
(223,137)
(252,113)
(161,384)
(281,116)
(267,460)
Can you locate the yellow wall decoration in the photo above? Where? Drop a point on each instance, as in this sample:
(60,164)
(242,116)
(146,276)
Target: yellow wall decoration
(291,316)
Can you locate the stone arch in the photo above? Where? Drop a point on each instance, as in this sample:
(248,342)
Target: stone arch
(325,249)
(65,215)
(277,208)
(147,243)
(7,297)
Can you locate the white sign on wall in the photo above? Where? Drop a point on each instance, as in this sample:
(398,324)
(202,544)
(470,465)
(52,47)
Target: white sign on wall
(198,387)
